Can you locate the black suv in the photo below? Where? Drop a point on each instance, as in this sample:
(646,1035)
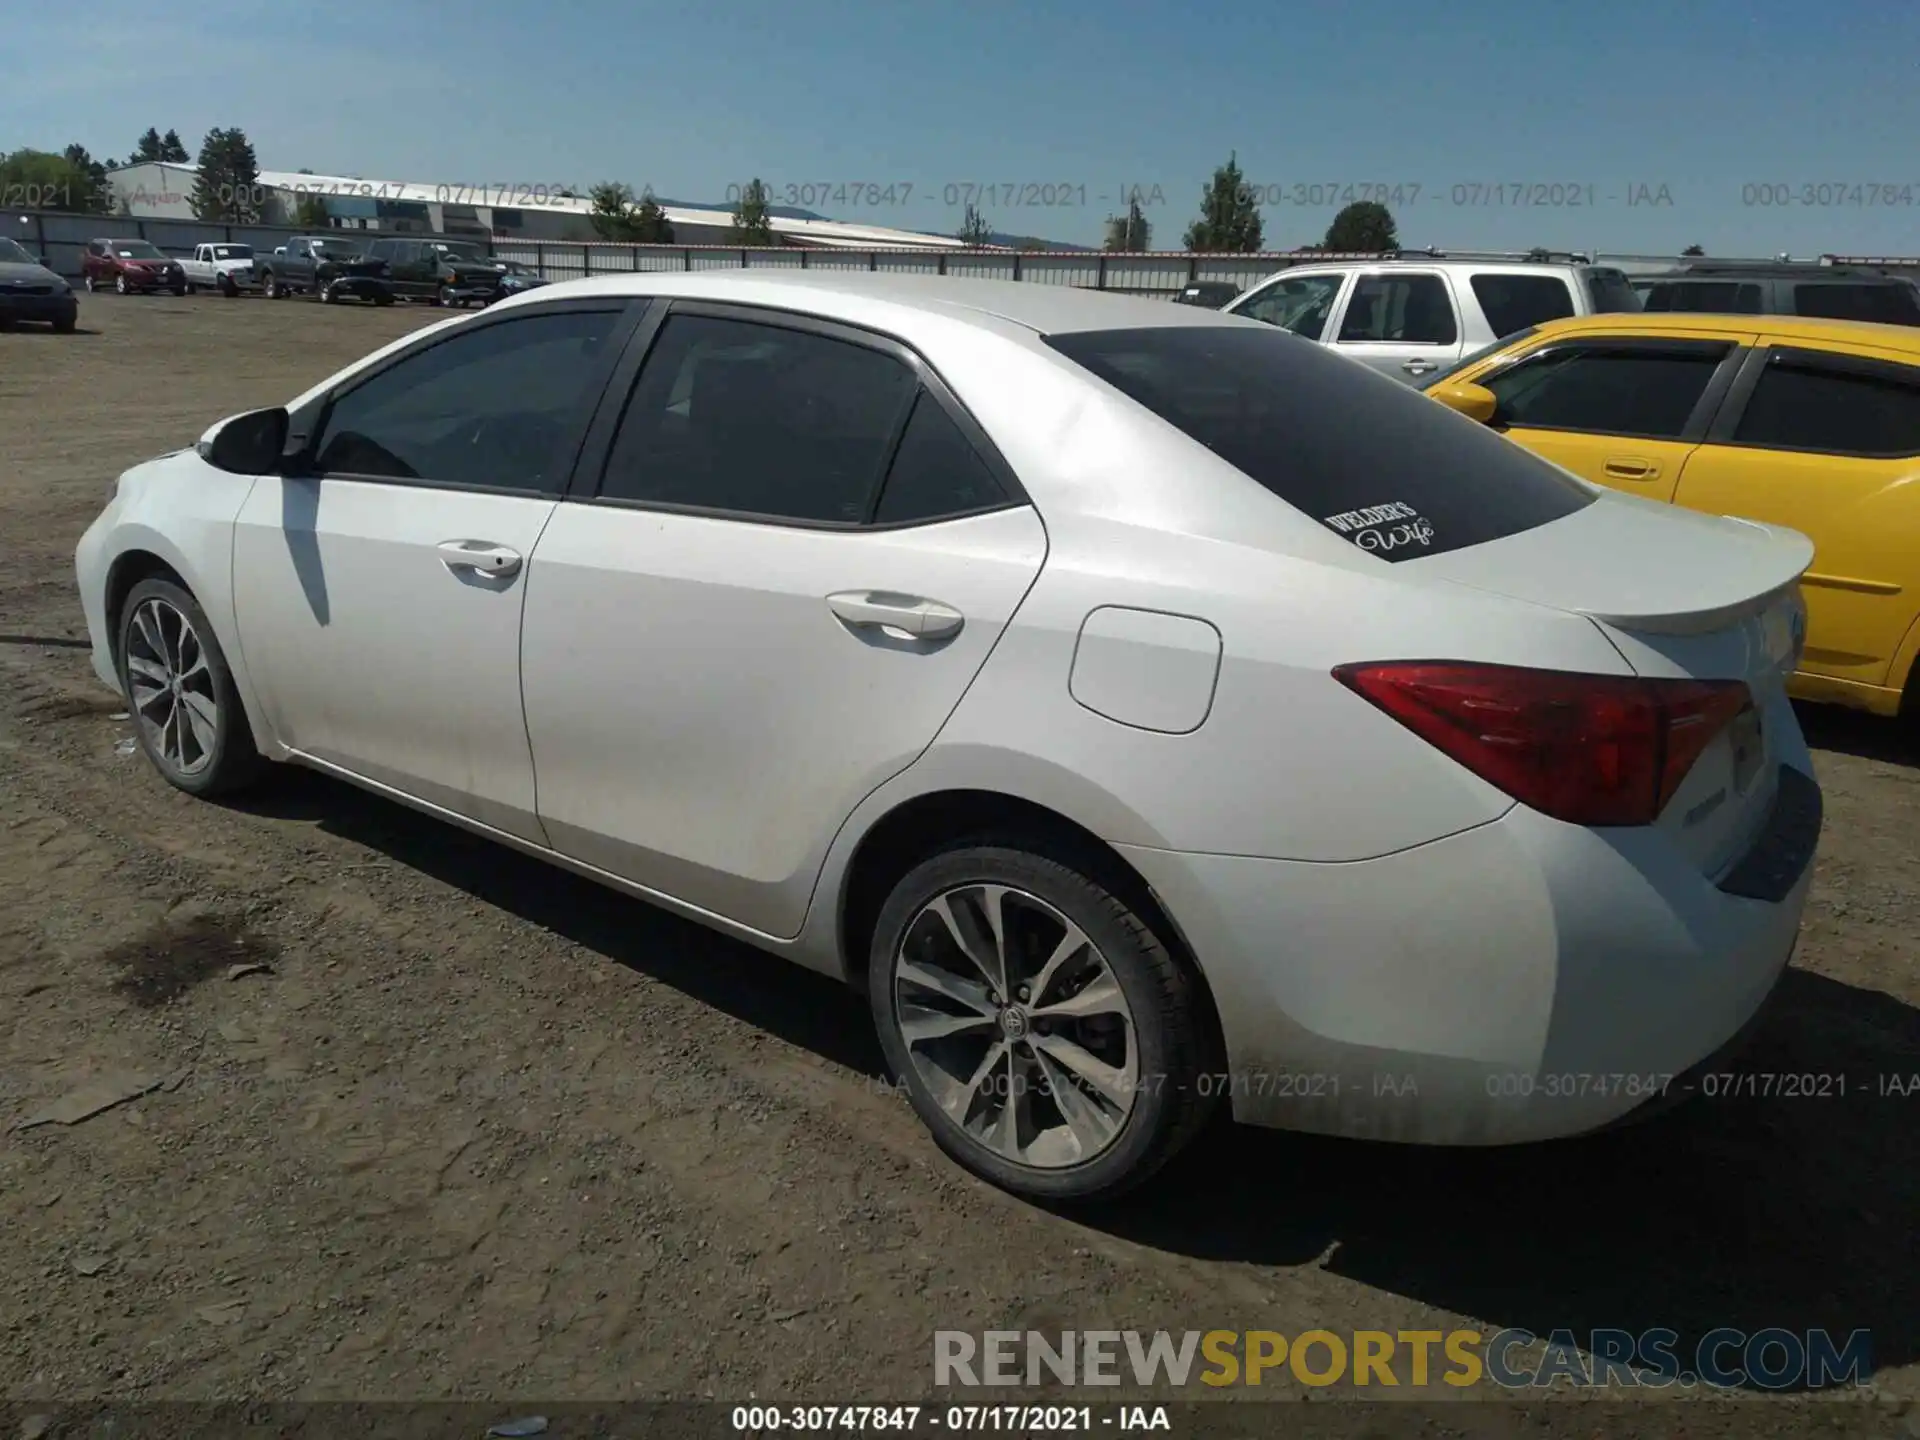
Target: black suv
(1830,292)
(445,272)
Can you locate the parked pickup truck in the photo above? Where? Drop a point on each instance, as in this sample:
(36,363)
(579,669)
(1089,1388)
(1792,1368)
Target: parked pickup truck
(226,268)
(328,267)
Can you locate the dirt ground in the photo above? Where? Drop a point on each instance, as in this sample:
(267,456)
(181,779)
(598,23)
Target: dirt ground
(482,1130)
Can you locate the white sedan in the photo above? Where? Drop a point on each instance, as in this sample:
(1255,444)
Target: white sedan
(1142,706)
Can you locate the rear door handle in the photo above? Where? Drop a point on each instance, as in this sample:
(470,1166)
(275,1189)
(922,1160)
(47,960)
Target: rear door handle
(1632,467)
(905,614)
(480,556)
(1419,367)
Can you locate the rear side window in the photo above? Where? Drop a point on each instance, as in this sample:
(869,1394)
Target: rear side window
(1399,309)
(1804,404)
(936,472)
(1519,302)
(1368,457)
(1607,390)
(759,420)
(1712,297)
(1610,292)
(1890,304)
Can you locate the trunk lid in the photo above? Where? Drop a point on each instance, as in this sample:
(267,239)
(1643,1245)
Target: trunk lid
(1680,595)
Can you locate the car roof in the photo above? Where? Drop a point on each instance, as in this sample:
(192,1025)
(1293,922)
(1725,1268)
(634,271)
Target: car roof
(1808,327)
(859,296)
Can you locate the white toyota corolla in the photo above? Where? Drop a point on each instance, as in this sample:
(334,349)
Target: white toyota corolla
(1143,706)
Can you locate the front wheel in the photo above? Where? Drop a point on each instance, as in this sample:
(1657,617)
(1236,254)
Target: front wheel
(92,288)
(1046,1036)
(270,286)
(120,284)
(186,712)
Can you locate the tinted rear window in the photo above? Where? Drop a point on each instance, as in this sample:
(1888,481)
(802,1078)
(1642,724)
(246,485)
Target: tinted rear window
(1715,297)
(1894,303)
(1369,458)
(1610,292)
(1519,302)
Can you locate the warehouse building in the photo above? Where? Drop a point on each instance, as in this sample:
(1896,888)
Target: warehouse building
(158,190)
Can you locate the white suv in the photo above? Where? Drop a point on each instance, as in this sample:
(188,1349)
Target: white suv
(1413,317)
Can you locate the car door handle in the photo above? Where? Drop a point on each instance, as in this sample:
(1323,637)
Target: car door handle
(1632,467)
(479,556)
(883,610)
(1419,367)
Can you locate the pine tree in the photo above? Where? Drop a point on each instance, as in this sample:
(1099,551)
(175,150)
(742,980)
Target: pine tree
(228,186)
(1229,219)
(752,225)
(1130,231)
(974,232)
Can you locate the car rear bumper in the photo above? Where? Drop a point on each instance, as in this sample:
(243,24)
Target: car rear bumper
(38,307)
(1522,980)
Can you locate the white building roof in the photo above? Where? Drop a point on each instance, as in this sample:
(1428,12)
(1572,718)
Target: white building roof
(831,233)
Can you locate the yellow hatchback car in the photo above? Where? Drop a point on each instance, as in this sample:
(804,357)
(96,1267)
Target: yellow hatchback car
(1812,424)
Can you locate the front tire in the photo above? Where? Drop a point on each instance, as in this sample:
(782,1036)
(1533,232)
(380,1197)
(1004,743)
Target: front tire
(186,712)
(1046,1036)
(92,287)
(270,286)
(120,284)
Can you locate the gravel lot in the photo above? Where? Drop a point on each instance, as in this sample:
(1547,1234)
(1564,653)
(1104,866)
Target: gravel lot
(482,1130)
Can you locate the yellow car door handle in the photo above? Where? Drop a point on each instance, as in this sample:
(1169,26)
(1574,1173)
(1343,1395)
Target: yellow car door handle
(1632,467)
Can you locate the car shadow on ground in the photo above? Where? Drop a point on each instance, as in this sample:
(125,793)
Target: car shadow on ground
(1747,1210)
(763,990)
(1854,732)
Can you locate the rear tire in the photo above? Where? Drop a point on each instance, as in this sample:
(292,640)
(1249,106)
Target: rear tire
(185,709)
(1101,1052)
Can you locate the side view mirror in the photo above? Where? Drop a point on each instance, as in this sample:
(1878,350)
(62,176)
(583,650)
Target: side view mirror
(1476,402)
(248,444)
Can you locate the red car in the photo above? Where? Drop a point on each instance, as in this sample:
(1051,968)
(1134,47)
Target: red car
(130,266)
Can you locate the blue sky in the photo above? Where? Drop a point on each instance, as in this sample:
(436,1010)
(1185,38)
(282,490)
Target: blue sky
(1702,111)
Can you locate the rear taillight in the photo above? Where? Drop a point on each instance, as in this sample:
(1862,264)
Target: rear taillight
(1587,749)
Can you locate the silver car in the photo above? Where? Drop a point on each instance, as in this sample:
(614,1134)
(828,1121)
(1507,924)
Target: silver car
(1412,318)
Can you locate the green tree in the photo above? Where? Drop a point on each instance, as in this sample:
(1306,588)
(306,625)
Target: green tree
(227,188)
(41,180)
(616,215)
(171,150)
(752,225)
(650,223)
(1365,225)
(1694,250)
(974,232)
(91,191)
(1229,217)
(310,212)
(1130,231)
(147,148)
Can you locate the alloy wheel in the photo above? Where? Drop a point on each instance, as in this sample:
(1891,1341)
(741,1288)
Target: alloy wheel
(1016,1025)
(173,694)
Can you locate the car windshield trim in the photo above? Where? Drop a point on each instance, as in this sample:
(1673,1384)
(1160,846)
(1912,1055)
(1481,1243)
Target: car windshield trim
(1467,361)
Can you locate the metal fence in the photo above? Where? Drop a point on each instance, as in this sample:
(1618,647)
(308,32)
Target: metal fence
(62,239)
